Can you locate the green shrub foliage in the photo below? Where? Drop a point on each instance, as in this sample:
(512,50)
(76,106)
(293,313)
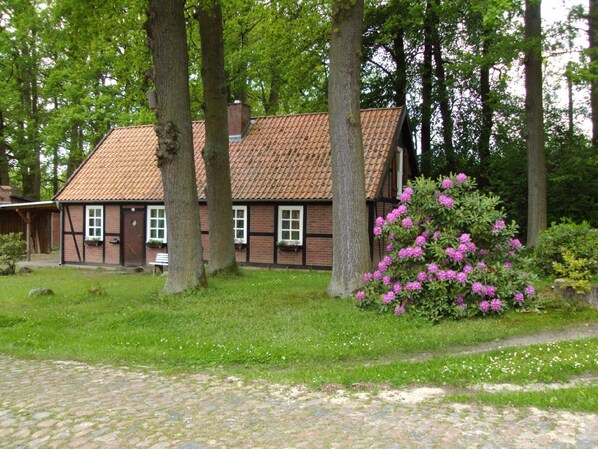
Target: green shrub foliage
(449,254)
(12,249)
(580,240)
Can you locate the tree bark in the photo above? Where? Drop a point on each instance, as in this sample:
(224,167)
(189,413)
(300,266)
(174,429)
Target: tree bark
(443,95)
(215,152)
(426,108)
(4,179)
(400,79)
(592,30)
(351,253)
(167,41)
(536,168)
(487,114)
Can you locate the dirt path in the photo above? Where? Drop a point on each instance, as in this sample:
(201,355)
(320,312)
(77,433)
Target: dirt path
(553,336)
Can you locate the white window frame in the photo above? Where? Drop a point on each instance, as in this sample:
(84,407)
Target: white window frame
(94,231)
(399,171)
(149,226)
(291,209)
(236,220)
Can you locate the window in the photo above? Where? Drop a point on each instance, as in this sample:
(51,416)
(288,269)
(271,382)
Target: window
(94,223)
(240,223)
(156,224)
(290,224)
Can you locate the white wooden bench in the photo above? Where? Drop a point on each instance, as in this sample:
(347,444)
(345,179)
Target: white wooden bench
(160,263)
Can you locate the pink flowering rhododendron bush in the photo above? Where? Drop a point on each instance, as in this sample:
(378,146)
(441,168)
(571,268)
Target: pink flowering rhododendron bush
(449,254)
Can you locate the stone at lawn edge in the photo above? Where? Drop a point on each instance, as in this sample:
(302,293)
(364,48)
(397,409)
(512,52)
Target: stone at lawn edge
(41,291)
(567,292)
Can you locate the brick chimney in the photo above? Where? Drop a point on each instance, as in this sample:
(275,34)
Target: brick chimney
(239,115)
(5,192)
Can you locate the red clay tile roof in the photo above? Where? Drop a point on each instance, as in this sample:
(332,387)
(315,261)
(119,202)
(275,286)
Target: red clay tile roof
(281,157)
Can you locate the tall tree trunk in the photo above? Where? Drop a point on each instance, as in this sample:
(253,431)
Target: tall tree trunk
(536,169)
(400,79)
(443,95)
(592,31)
(215,152)
(487,114)
(570,109)
(426,111)
(4,179)
(75,156)
(351,253)
(167,41)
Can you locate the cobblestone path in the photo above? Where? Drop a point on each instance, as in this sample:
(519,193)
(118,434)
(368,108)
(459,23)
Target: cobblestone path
(48,404)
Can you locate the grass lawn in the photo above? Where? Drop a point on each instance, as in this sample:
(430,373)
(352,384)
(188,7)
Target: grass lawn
(277,325)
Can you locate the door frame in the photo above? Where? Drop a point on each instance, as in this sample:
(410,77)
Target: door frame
(123,213)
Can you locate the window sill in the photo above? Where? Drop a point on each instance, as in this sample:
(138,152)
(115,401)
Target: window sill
(290,248)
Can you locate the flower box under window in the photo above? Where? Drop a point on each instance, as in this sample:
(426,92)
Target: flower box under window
(93,242)
(289,246)
(155,244)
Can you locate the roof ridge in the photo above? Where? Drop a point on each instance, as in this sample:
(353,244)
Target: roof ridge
(297,114)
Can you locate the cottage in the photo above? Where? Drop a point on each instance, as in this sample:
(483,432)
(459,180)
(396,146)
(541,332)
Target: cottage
(112,208)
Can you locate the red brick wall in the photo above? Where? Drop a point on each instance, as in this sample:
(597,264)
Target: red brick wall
(319,219)
(94,254)
(77,214)
(111,226)
(317,250)
(70,252)
(261,249)
(76,218)
(290,257)
(262,218)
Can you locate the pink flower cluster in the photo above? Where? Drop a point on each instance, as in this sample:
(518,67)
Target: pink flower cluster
(388,297)
(411,252)
(384,264)
(461,178)
(406,195)
(401,309)
(447,183)
(413,286)
(446,201)
(483,290)
(396,213)
(495,305)
(498,226)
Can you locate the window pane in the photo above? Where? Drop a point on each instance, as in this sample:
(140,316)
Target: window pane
(286,214)
(295,235)
(239,234)
(286,235)
(295,215)
(295,225)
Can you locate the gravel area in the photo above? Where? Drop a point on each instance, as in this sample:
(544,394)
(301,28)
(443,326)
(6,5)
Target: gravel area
(47,404)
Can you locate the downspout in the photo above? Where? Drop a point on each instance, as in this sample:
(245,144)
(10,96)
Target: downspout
(61,233)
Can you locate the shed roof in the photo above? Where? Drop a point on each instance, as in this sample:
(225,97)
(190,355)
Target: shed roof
(280,158)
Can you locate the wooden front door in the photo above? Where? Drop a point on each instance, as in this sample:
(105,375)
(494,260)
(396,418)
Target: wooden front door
(133,245)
